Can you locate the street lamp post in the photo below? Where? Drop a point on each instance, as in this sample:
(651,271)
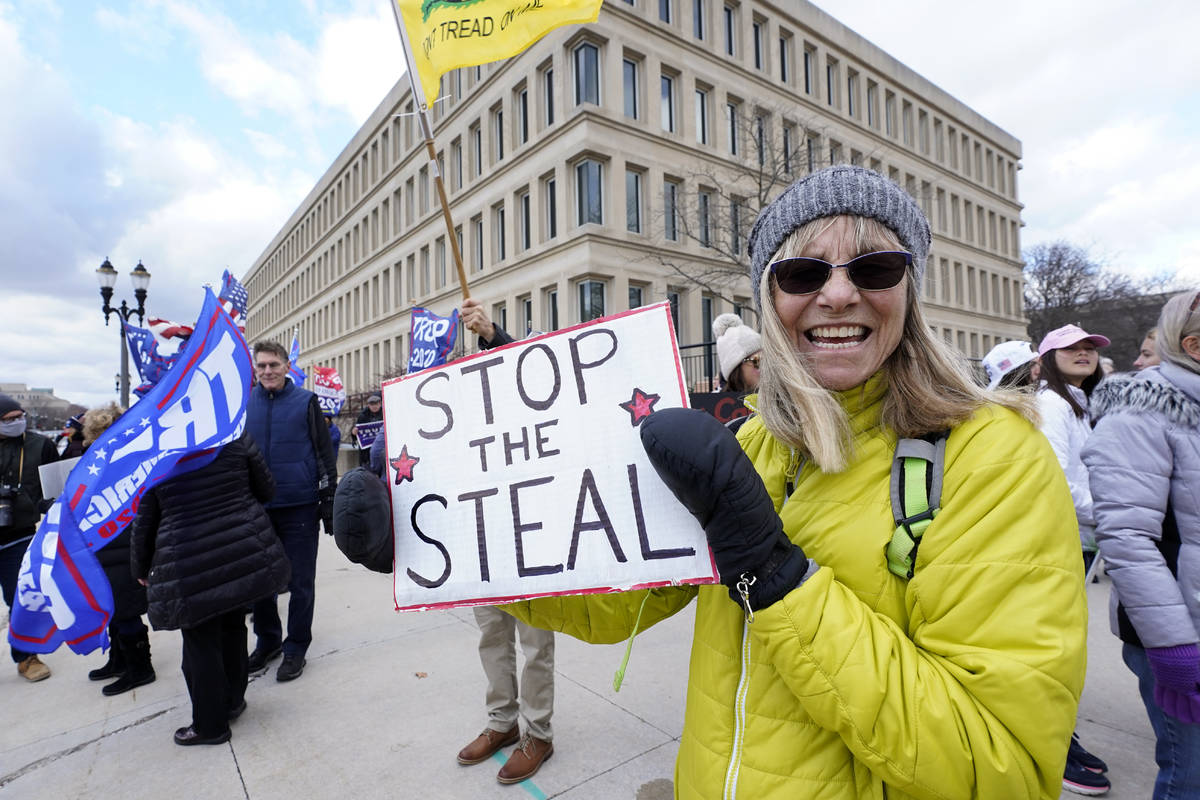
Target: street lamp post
(140,278)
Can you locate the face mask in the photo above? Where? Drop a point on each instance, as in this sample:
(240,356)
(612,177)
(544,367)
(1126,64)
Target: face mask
(14,427)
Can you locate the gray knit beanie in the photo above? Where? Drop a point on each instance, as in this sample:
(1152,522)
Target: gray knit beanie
(843,189)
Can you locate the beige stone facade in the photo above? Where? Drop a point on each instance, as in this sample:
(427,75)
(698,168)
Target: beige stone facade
(576,171)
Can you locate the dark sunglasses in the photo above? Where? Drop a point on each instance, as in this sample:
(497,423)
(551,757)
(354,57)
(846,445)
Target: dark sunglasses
(870,272)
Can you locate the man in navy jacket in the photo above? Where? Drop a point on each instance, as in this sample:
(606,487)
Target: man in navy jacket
(286,424)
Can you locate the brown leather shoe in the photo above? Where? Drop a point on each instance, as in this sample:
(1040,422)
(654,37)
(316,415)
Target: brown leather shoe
(486,743)
(33,670)
(525,760)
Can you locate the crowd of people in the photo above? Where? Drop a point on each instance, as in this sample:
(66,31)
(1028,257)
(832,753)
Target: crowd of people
(902,551)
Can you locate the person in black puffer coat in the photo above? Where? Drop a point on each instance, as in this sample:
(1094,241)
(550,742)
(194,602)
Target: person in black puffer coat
(205,548)
(129,640)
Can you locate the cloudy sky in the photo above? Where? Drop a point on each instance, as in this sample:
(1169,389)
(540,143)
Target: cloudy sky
(185,132)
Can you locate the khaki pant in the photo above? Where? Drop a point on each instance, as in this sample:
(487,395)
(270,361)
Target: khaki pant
(497,652)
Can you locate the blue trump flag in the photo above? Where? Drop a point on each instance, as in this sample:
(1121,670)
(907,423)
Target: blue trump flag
(295,373)
(433,338)
(151,366)
(199,405)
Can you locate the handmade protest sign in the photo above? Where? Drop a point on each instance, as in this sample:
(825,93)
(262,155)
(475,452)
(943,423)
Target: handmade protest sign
(519,471)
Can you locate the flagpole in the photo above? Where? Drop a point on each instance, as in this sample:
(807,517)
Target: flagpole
(422,108)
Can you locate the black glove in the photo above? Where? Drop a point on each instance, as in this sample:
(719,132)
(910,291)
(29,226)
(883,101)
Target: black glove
(703,464)
(363,522)
(44,504)
(325,508)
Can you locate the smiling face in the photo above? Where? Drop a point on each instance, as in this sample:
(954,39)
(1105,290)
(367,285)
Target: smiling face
(270,370)
(1076,362)
(845,334)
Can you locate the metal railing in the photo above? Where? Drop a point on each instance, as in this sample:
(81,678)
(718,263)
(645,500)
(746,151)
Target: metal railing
(700,368)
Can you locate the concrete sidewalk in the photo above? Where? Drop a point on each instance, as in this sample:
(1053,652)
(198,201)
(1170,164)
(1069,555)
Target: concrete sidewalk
(388,699)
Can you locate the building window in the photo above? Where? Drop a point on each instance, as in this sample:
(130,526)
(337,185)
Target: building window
(425,270)
(588,192)
(785,59)
(831,81)
(552,308)
(587,74)
(731,112)
(526,306)
(698,13)
(787,149)
(633,201)
(548,95)
(760,139)
(456,176)
(889,114)
(668,102)
(811,145)
(728,14)
(704,218)
(673,301)
(497,134)
(810,57)
(701,116)
(630,70)
(835,153)
(735,224)
(476,137)
(522,116)
(524,221)
(906,123)
(852,94)
(498,236)
(635,296)
(664,10)
(591,300)
(872,105)
(477,242)
(439,260)
(500,315)
(671,210)
(551,189)
(757,33)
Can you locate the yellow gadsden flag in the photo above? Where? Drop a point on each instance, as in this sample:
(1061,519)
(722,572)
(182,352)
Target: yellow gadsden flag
(448,34)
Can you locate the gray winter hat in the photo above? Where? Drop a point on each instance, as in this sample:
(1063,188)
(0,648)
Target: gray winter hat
(843,189)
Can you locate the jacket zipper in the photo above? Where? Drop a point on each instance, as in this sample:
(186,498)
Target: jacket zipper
(739,718)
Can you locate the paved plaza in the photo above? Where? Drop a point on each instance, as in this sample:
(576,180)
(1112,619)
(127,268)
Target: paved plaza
(388,699)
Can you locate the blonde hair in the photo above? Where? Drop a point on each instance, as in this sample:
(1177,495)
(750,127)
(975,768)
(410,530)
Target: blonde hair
(1176,322)
(929,387)
(97,420)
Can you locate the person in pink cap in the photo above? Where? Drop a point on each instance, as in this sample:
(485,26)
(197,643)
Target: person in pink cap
(1070,370)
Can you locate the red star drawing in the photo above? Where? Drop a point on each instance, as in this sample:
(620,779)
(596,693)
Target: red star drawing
(403,464)
(640,406)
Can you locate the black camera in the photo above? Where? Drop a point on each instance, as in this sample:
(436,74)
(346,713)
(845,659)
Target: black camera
(8,494)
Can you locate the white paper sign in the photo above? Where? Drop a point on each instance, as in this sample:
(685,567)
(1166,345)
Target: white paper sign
(53,476)
(519,472)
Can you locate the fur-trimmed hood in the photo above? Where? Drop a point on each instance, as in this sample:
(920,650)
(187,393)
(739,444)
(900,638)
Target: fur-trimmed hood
(1150,390)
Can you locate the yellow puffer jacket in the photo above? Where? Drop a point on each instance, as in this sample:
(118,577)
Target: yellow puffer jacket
(961,683)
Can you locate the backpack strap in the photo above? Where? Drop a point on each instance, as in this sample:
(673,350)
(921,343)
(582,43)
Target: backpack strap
(916,491)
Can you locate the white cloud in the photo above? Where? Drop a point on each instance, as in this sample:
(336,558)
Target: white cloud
(268,146)
(358,61)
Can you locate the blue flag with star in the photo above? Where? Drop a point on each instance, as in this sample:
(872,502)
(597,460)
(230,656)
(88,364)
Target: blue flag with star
(294,372)
(199,405)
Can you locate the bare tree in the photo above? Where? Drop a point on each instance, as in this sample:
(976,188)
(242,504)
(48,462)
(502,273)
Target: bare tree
(718,200)
(1065,284)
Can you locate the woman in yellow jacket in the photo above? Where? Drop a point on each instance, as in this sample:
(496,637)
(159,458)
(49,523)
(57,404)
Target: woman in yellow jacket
(817,671)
